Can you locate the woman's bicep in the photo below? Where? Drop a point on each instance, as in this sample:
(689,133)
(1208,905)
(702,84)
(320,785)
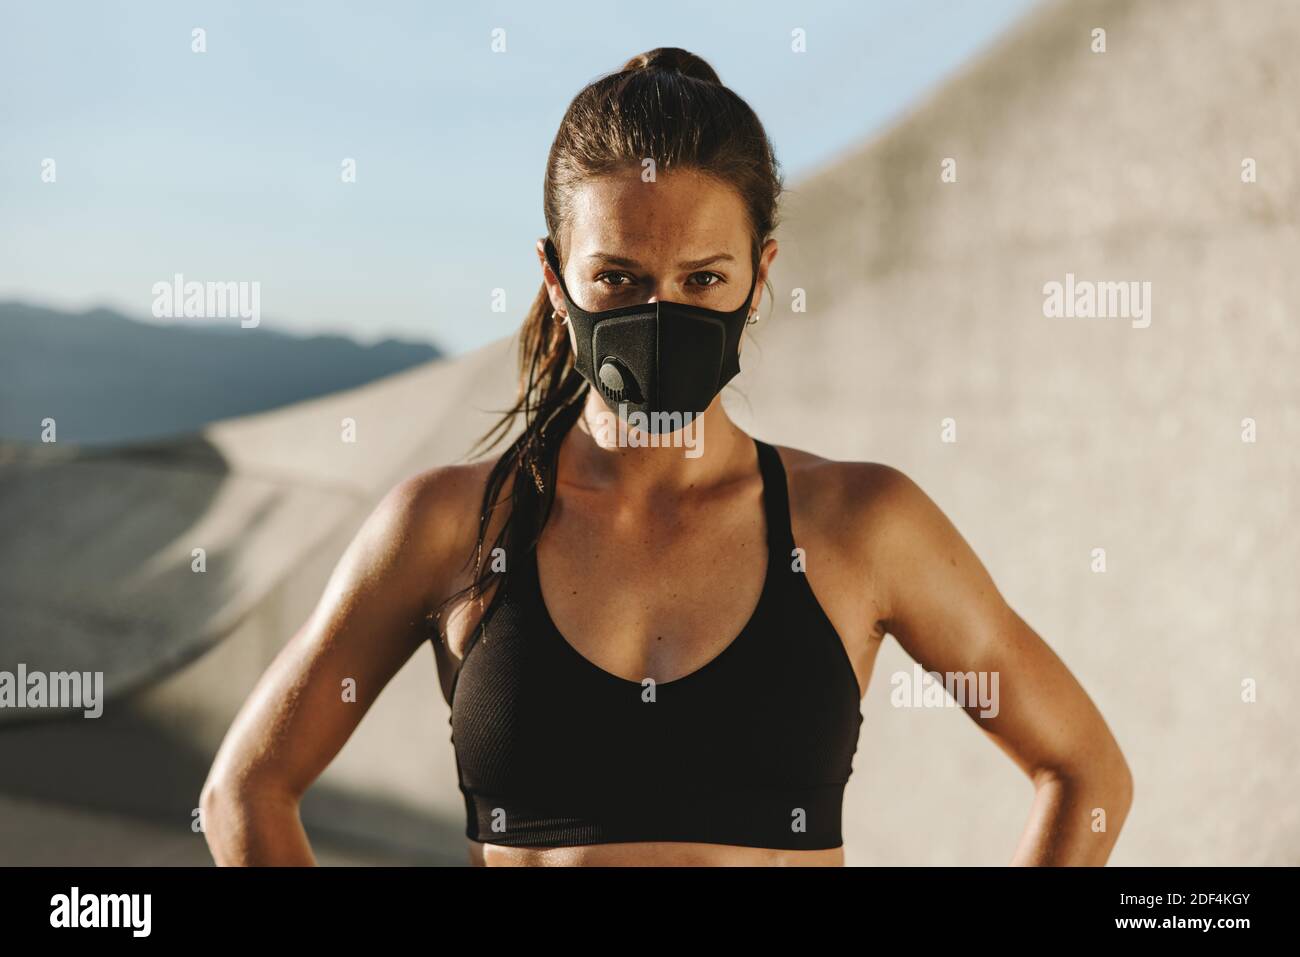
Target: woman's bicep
(368,622)
(948,615)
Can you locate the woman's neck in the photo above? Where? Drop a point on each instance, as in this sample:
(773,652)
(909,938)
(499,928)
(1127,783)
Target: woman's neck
(603,450)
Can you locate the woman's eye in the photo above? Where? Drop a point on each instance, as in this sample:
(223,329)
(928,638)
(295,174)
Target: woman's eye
(708,275)
(619,279)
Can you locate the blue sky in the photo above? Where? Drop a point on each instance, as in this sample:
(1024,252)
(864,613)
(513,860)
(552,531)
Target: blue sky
(226,165)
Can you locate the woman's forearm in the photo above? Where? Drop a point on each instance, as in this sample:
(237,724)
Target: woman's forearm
(1075,820)
(254,829)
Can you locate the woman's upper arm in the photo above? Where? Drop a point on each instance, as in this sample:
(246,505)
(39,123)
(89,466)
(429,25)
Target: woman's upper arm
(368,622)
(945,611)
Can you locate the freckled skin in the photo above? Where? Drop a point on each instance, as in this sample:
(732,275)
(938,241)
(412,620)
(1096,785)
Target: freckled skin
(881,558)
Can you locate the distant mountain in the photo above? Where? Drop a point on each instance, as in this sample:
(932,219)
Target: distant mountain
(106,378)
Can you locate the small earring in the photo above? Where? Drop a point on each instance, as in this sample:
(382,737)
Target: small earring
(753,318)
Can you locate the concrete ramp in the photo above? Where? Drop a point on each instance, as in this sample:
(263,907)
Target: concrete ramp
(98,575)
(99,547)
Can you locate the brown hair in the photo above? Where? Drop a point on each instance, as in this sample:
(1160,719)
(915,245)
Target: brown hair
(666,104)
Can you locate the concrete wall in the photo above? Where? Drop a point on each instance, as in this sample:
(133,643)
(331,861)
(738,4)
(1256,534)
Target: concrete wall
(926,302)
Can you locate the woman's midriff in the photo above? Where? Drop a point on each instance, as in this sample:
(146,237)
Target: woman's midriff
(651,854)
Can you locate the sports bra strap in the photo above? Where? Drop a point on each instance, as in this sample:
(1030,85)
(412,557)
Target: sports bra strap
(776,500)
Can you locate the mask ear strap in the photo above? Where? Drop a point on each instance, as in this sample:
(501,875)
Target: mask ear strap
(553,258)
(753,284)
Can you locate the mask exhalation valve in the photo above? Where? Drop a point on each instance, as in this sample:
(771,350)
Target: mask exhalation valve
(618,384)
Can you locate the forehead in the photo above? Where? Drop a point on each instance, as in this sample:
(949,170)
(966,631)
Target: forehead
(684,214)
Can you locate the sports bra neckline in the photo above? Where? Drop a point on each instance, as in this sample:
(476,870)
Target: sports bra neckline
(552,750)
(776,529)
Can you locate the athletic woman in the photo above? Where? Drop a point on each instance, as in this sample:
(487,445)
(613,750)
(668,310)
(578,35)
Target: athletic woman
(653,630)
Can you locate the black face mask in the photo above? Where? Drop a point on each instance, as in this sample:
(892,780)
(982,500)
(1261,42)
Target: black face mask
(656,357)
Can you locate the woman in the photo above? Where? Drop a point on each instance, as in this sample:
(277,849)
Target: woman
(655,637)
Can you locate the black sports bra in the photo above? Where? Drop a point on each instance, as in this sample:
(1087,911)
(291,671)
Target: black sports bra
(754,748)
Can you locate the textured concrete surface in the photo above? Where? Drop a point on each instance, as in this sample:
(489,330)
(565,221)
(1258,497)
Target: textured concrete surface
(925,302)
(36,834)
(274,499)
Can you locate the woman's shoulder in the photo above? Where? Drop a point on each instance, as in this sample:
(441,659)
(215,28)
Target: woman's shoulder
(851,485)
(431,517)
(445,496)
(441,490)
(868,500)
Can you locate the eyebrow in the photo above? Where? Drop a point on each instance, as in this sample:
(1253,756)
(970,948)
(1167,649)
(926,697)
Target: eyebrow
(632,263)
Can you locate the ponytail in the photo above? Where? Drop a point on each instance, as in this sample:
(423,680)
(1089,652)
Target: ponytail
(667,104)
